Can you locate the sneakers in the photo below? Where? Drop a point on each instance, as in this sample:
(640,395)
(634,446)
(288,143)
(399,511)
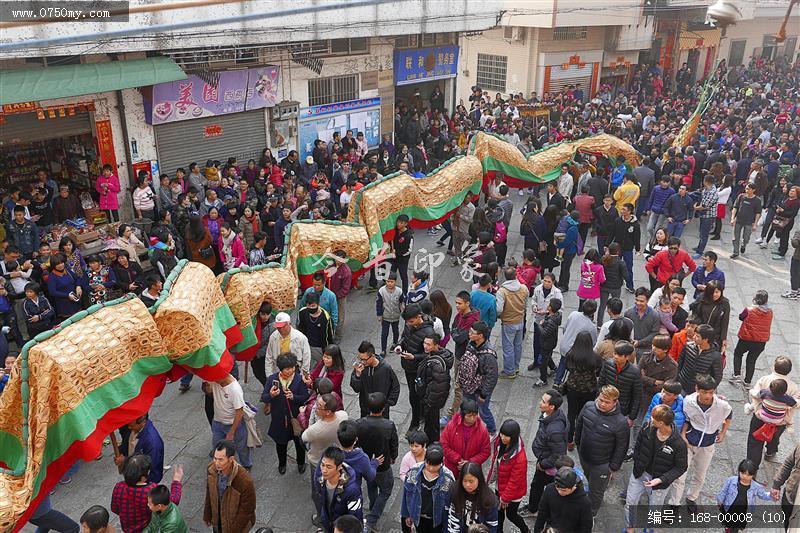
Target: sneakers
(691,505)
(557,259)
(714,238)
(741,251)
(540,383)
(735,379)
(526,512)
(747,385)
(791,295)
(503,375)
(630,289)
(759,240)
(183,387)
(734,255)
(520,193)
(762,245)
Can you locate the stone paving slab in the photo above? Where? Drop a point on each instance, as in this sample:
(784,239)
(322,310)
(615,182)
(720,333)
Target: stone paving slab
(284,501)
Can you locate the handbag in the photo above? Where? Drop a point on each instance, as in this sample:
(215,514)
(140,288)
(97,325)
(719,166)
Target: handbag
(297,427)
(765,433)
(780,223)
(206,252)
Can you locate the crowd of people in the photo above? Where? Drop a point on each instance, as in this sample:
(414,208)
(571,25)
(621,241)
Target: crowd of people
(632,385)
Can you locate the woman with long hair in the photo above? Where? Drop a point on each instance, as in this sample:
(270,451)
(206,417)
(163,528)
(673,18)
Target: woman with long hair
(199,243)
(583,365)
(331,366)
(508,474)
(552,216)
(471,501)
(72,256)
(715,310)
(786,210)
(591,278)
(774,199)
(444,312)
(619,330)
(656,244)
(615,273)
(533,227)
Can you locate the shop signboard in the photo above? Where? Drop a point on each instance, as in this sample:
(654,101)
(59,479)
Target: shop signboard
(235,91)
(320,122)
(425,64)
(105,143)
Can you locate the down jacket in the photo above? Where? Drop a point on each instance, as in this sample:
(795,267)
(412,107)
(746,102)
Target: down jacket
(667,461)
(551,439)
(602,437)
(456,447)
(511,470)
(433,378)
(692,361)
(411,342)
(629,383)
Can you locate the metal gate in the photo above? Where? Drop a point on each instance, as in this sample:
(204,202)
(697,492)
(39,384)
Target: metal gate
(239,135)
(26,127)
(561,78)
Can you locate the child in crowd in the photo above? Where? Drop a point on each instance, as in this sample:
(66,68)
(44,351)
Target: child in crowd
(389,305)
(548,340)
(101,280)
(592,276)
(38,312)
(561,234)
(738,496)
(417,443)
(664,313)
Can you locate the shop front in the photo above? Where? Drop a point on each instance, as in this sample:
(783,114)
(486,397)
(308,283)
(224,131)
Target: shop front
(698,49)
(322,121)
(618,69)
(558,70)
(64,140)
(418,71)
(213,118)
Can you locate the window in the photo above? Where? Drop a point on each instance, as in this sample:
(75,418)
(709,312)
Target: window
(423,40)
(335,89)
(492,72)
(569,33)
(736,54)
(347,46)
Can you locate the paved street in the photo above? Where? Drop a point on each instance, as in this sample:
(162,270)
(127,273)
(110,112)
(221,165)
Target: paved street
(284,501)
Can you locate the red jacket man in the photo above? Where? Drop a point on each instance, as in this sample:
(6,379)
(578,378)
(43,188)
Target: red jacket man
(465,439)
(670,261)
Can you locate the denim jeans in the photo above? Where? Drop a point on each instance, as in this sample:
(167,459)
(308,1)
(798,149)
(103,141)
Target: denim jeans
(512,347)
(627,256)
(484,409)
(655,497)
(385,325)
(220,430)
(55,520)
(655,221)
(675,229)
(705,229)
(379,491)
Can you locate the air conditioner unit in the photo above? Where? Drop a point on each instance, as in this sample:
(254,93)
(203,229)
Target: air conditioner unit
(514,33)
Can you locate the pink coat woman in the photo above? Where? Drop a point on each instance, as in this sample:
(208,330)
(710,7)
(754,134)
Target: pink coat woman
(592,276)
(108,188)
(231,249)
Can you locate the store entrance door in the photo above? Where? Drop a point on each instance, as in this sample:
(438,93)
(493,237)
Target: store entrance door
(417,95)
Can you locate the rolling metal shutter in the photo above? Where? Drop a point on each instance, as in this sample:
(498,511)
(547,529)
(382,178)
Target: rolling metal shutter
(560,78)
(25,127)
(243,136)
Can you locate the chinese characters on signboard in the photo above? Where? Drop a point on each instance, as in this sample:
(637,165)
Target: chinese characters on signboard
(233,92)
(425,64)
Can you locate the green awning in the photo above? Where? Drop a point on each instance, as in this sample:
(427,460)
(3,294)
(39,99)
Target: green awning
(34,84)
